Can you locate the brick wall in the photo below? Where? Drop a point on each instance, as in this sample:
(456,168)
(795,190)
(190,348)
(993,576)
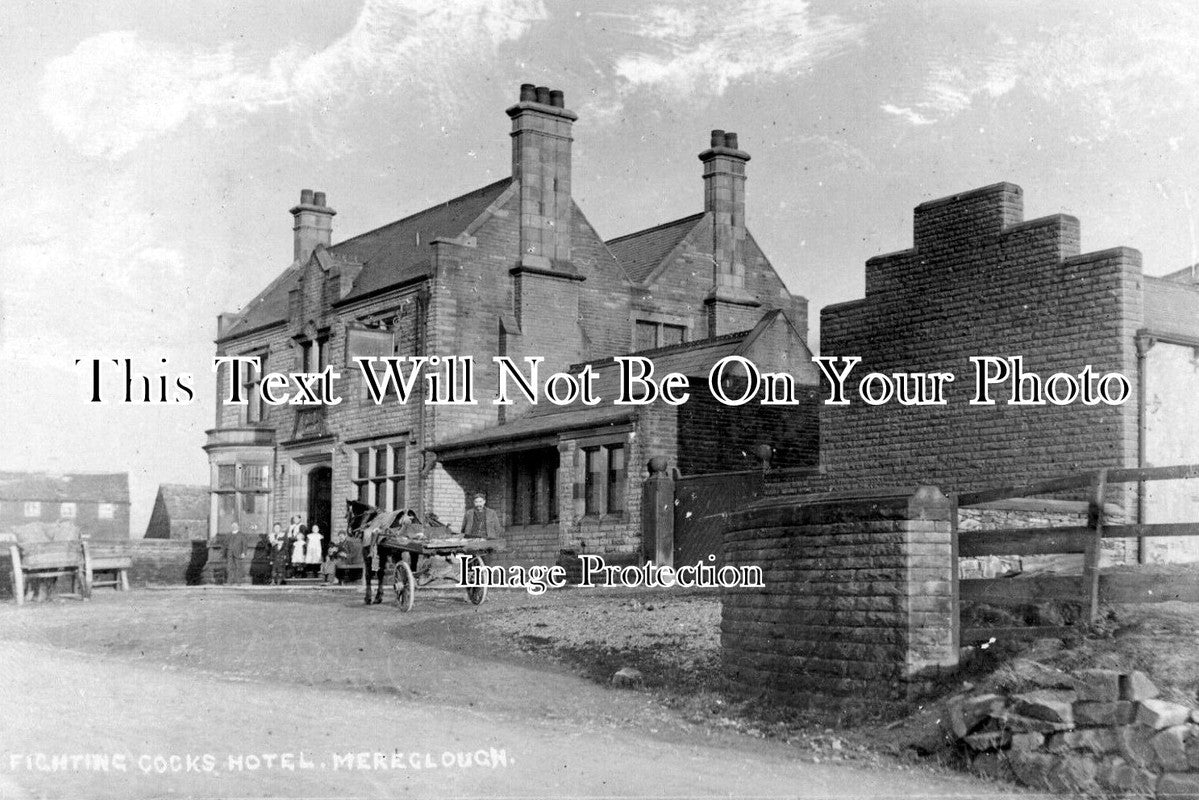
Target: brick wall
(858,596)
(714,437)
(981,282)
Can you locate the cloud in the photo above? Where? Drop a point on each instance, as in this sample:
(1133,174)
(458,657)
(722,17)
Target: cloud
(1111,73)
(687,49)
(117,90)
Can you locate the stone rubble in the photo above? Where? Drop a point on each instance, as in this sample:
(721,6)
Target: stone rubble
(1092,733)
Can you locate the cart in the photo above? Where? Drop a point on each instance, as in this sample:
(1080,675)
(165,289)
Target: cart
(432,572)
(432,540)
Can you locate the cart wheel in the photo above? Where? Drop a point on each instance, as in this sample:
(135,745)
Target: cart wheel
(405,586)
(476,594)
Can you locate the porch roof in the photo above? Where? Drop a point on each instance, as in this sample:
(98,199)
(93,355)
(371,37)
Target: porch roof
(538,429)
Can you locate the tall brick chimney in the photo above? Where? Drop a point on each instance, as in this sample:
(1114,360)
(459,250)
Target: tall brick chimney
(724,203)
(541,128)
(314,223)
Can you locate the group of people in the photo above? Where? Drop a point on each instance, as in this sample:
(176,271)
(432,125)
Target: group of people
(297,552)
(300,551)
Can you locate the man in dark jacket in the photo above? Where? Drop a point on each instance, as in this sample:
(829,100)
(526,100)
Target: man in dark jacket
(481,522)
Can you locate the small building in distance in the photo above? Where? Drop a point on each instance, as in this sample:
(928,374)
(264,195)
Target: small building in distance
(40,506)
(180,512)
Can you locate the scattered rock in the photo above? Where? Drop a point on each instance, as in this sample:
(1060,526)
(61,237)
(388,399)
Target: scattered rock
(1134,744)
(966,714)
(1074,775)
(627,677)
(992,765)
(1116,773)
(1094,740)
(1100,685)
(1032,769)
(1137,686)
(1024,673)
(1158,714)
(1121,712)
(1169,748)
(1019,724)
(1027,741)
(1047,704)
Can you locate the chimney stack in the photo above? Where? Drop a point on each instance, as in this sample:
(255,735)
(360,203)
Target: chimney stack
(541,137)
(724,201)
(313,224)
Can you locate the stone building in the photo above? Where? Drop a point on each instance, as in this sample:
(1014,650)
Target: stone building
(981,281)
(180,512)
(511,269)
(38,507)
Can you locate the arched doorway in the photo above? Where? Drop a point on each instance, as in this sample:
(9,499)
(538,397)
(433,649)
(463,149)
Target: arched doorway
(320,501)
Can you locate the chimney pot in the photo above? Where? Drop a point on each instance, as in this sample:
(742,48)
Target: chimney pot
(528,93)
(557,98)
(305,197)
(318,199)
(543,95)
(718,138)
(730,140)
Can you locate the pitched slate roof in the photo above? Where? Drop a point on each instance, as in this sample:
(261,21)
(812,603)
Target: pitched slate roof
(400,251)
(393,254)
(75,487)
(545,419)
(185,502)
(640,253)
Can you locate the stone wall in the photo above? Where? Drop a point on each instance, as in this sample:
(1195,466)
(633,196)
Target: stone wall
(858,597)
(1092,733)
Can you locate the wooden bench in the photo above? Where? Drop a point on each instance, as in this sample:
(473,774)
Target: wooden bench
(35,563)
(109,558)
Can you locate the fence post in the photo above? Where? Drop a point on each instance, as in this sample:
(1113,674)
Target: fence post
(955,572)
(657,514)
(18,575)
(1090,570)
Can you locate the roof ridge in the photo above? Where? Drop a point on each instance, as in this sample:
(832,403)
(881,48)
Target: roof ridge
(655,228)
(426,210)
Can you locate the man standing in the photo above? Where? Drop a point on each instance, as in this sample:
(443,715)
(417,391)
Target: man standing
(235,555)
(481,522)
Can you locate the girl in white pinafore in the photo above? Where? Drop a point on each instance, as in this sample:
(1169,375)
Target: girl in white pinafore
(297,533)
(312,555)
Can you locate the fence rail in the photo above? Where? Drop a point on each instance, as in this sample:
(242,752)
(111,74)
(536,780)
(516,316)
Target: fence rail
(1091,587)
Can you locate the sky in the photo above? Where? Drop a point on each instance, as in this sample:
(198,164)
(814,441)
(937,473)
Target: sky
(151,151)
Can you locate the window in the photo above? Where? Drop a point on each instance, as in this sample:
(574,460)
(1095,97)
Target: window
(106,511)
(242,491)
(533,495)
(33,508)
(66,511)
(650,334)
(605,480)
(616,479)
(251,380)
(316,353)
(379,475)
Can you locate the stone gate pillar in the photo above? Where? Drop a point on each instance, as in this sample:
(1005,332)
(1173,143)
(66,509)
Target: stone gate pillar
(858,596)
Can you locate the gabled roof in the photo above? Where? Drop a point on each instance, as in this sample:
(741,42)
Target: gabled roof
(640,253)
(393,254)
(72,488)
(399,252)
(185,502)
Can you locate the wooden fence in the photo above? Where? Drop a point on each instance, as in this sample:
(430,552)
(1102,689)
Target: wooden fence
(1091,587)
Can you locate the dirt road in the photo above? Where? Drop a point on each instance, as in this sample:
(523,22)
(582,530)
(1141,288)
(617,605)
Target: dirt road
(254,714)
